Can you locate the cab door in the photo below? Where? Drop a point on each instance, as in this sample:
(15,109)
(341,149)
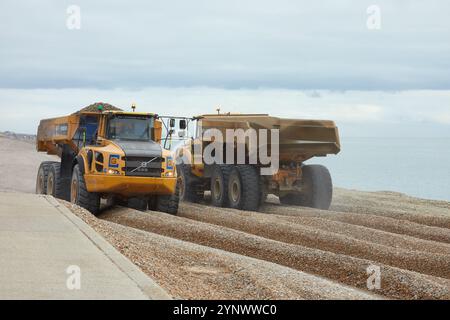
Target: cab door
(196,149)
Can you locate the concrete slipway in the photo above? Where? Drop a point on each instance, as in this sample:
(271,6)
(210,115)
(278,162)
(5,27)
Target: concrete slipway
(42,244)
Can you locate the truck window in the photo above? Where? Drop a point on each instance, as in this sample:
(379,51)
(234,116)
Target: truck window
(87,129)
(126,127)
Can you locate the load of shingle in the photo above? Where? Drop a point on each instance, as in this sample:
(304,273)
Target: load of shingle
(95,107)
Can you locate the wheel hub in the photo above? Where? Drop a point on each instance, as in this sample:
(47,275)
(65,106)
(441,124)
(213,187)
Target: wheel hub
(235,191)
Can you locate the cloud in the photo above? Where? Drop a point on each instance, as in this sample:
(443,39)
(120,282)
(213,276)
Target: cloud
(286,44)
(442,118)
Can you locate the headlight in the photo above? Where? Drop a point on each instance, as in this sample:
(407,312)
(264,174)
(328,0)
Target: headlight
(112,171)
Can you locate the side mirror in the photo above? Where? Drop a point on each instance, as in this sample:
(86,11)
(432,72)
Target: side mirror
(183,124)
(172,123)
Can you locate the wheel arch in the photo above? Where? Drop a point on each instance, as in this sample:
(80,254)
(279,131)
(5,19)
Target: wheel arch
(82,163)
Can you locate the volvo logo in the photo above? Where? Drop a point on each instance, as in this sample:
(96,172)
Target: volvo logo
(144,164)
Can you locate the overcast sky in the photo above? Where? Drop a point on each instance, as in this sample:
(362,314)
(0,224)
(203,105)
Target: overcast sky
(289,58)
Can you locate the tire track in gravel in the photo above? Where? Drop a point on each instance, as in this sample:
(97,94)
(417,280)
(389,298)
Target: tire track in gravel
(436,264)
(402,227)
(191,271)
(397,283)
(358,232)
(394,240)
(394,205)
(429,220)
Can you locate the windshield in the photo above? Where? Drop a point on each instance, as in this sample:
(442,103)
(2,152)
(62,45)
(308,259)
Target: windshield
(126,127)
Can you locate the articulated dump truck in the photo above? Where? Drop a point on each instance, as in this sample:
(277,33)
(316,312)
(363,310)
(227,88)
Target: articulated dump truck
(242,186)
(107,154)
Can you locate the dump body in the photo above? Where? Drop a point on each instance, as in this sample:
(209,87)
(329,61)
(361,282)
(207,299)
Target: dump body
(299,140)
(56,131)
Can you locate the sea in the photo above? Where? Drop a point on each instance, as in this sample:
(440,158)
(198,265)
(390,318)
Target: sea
(418,167)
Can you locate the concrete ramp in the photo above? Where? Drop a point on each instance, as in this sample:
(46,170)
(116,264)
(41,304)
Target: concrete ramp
(46,252)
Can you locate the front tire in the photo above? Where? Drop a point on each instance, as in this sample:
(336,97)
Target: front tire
(188,185)
(168,203)
(79,194)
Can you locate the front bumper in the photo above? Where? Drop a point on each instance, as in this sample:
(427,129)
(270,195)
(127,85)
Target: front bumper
(129,186)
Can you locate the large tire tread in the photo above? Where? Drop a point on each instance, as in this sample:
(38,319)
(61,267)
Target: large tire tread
(251,187)
(59,189)
(88,200)
(169,203)
(318,189)
(223,172)
(44,169)
(322,187)
(192,192)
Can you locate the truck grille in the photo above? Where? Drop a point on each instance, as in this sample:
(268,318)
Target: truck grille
(143,166)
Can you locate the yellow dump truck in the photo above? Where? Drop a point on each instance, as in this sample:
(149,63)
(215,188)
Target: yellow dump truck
(242,185)
(107,153)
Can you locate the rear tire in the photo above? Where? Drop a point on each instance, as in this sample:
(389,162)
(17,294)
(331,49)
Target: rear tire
(189,185)
(169,203)
(219,185)
(42,175)
(79,194)
(244,188)
(318,189)
(55,185)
